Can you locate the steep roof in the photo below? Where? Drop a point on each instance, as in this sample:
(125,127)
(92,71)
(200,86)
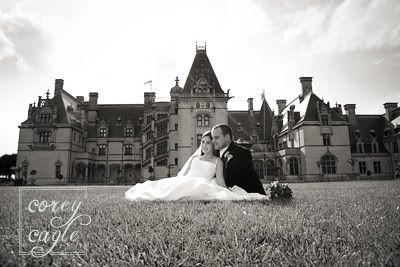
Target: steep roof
(201,68)
(364,124)
(307,109)
(241,123)
(110,115)
(243,129)
(57,101)
(265,118)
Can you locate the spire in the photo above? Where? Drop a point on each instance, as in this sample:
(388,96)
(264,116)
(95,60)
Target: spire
(201,49)
(201,74)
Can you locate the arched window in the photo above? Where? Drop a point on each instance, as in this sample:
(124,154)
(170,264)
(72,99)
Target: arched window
(258,166)
(328,164)
(293,166)
(197,105)
(269,167)
(207,105)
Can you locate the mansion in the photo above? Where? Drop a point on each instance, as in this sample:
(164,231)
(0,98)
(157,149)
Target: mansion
(73,140)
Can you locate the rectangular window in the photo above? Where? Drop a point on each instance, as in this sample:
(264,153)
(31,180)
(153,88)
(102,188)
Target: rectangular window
(149,135)
(44,137)
(377,167)
(128,149)
(176,146)
(199,120)
(148,153)
(102,149)
(176,161)
(206,120)
(162,129)
(148,119)
(176,126)
(129,132)
(103,132)
(362,166)
(324,119)
(162,148)
(58,171)
(326,138)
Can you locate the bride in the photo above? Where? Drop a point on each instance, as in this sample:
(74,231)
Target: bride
(201,178)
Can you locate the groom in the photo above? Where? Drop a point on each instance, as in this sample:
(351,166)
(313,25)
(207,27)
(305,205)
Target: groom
(238,163)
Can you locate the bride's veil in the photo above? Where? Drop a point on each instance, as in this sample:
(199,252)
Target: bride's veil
(186,166)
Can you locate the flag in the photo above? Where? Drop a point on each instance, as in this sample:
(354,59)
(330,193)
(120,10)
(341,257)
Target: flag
(148,82)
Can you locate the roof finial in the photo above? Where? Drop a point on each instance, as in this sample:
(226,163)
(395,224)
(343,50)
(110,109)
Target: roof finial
(177,81)
(263,95)
(47,94)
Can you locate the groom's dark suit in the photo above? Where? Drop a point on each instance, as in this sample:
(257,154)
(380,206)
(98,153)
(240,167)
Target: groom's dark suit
(239,170)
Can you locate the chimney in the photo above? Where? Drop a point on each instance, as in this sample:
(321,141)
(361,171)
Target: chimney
(92,111)
(306,85)
(59,84)
(281,105)
(389,107)
(250,106)
(30,111)
(351,113)
(149,97)
(93,100)
(80,98)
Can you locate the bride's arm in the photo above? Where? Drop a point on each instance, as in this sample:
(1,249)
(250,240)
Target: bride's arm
(220,173)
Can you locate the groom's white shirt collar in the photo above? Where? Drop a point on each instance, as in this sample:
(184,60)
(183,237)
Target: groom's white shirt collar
(222,151)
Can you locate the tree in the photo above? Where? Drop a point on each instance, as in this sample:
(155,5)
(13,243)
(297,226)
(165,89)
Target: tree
(6,162)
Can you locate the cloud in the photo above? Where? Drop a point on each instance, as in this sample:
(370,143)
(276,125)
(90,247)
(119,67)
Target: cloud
(336,26)
(23,42)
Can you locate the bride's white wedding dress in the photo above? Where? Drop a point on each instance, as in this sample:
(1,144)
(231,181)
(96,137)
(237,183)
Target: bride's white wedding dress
(197,184)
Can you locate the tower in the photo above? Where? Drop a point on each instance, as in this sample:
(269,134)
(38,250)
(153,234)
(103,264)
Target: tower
(200,105)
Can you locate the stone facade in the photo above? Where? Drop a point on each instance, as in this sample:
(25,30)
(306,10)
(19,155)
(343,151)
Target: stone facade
(67,140)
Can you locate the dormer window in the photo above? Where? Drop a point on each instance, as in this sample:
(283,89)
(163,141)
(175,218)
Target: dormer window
(103,132)
(372,133)
(45,117)
(128,149)
(324,119)
(129,132)
(357,133)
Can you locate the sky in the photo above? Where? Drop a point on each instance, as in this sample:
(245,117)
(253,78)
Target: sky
(351,49)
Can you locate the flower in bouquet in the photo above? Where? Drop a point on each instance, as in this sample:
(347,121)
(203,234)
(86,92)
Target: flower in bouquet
(279,191)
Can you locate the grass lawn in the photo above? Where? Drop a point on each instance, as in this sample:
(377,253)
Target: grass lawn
(336,223)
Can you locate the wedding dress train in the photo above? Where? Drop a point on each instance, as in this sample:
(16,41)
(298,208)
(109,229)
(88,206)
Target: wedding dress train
(197,184)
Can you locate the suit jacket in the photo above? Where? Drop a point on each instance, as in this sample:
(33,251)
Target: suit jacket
(239,169)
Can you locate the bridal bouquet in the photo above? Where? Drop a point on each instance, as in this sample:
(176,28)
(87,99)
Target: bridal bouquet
(279,191)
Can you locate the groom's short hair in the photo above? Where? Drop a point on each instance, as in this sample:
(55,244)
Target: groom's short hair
(225,129)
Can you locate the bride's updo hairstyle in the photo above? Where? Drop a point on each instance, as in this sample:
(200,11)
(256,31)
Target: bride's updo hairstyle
(208,133)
